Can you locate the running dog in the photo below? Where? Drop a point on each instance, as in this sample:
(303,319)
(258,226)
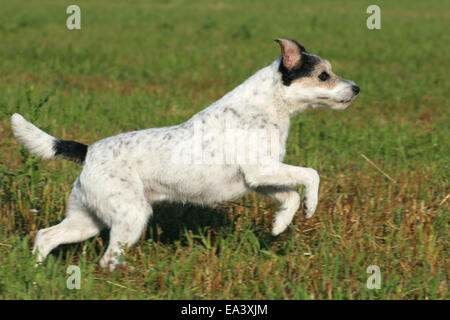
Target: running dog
(125,174)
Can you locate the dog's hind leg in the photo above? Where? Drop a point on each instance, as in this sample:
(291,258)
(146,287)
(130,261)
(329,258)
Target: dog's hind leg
(78,226)
(289,201)
(129,220)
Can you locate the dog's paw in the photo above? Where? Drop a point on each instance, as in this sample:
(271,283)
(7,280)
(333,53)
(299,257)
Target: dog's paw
(311,197)
(310,205)
(114,263)
(278,226)
(276,230)
(124,267)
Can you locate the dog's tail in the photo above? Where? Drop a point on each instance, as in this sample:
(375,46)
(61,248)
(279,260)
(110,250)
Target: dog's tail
(43,144)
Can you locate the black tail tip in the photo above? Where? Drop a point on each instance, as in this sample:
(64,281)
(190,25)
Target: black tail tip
(71,150)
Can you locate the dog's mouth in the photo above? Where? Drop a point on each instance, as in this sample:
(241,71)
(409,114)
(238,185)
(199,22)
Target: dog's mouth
(330,103)
(336,101)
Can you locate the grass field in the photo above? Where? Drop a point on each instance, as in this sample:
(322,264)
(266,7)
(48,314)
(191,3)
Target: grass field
(140,64)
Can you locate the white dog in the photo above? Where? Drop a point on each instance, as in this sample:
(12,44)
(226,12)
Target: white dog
(125,174)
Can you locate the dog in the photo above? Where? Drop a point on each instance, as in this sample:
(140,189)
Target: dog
(125,174)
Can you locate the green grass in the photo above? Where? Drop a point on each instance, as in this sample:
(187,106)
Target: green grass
(140,64)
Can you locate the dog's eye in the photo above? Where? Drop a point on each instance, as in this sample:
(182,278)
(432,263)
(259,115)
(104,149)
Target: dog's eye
(324,76)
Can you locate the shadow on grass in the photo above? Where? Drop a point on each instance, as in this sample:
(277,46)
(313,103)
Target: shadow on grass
(169,224)
(171,221)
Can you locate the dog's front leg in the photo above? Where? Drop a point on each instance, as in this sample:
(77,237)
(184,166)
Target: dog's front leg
(284,175)
(289,201)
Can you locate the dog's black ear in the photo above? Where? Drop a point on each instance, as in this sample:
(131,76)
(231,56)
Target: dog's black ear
(291,52)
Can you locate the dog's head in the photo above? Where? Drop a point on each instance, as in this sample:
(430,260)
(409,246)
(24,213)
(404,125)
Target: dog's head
(308,81)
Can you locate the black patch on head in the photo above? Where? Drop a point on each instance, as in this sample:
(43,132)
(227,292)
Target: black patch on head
(304,70)
(70,150)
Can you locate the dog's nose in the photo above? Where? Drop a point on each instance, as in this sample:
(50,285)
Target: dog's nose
(355,90)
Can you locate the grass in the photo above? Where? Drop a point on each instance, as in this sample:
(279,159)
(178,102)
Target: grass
(141,64)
